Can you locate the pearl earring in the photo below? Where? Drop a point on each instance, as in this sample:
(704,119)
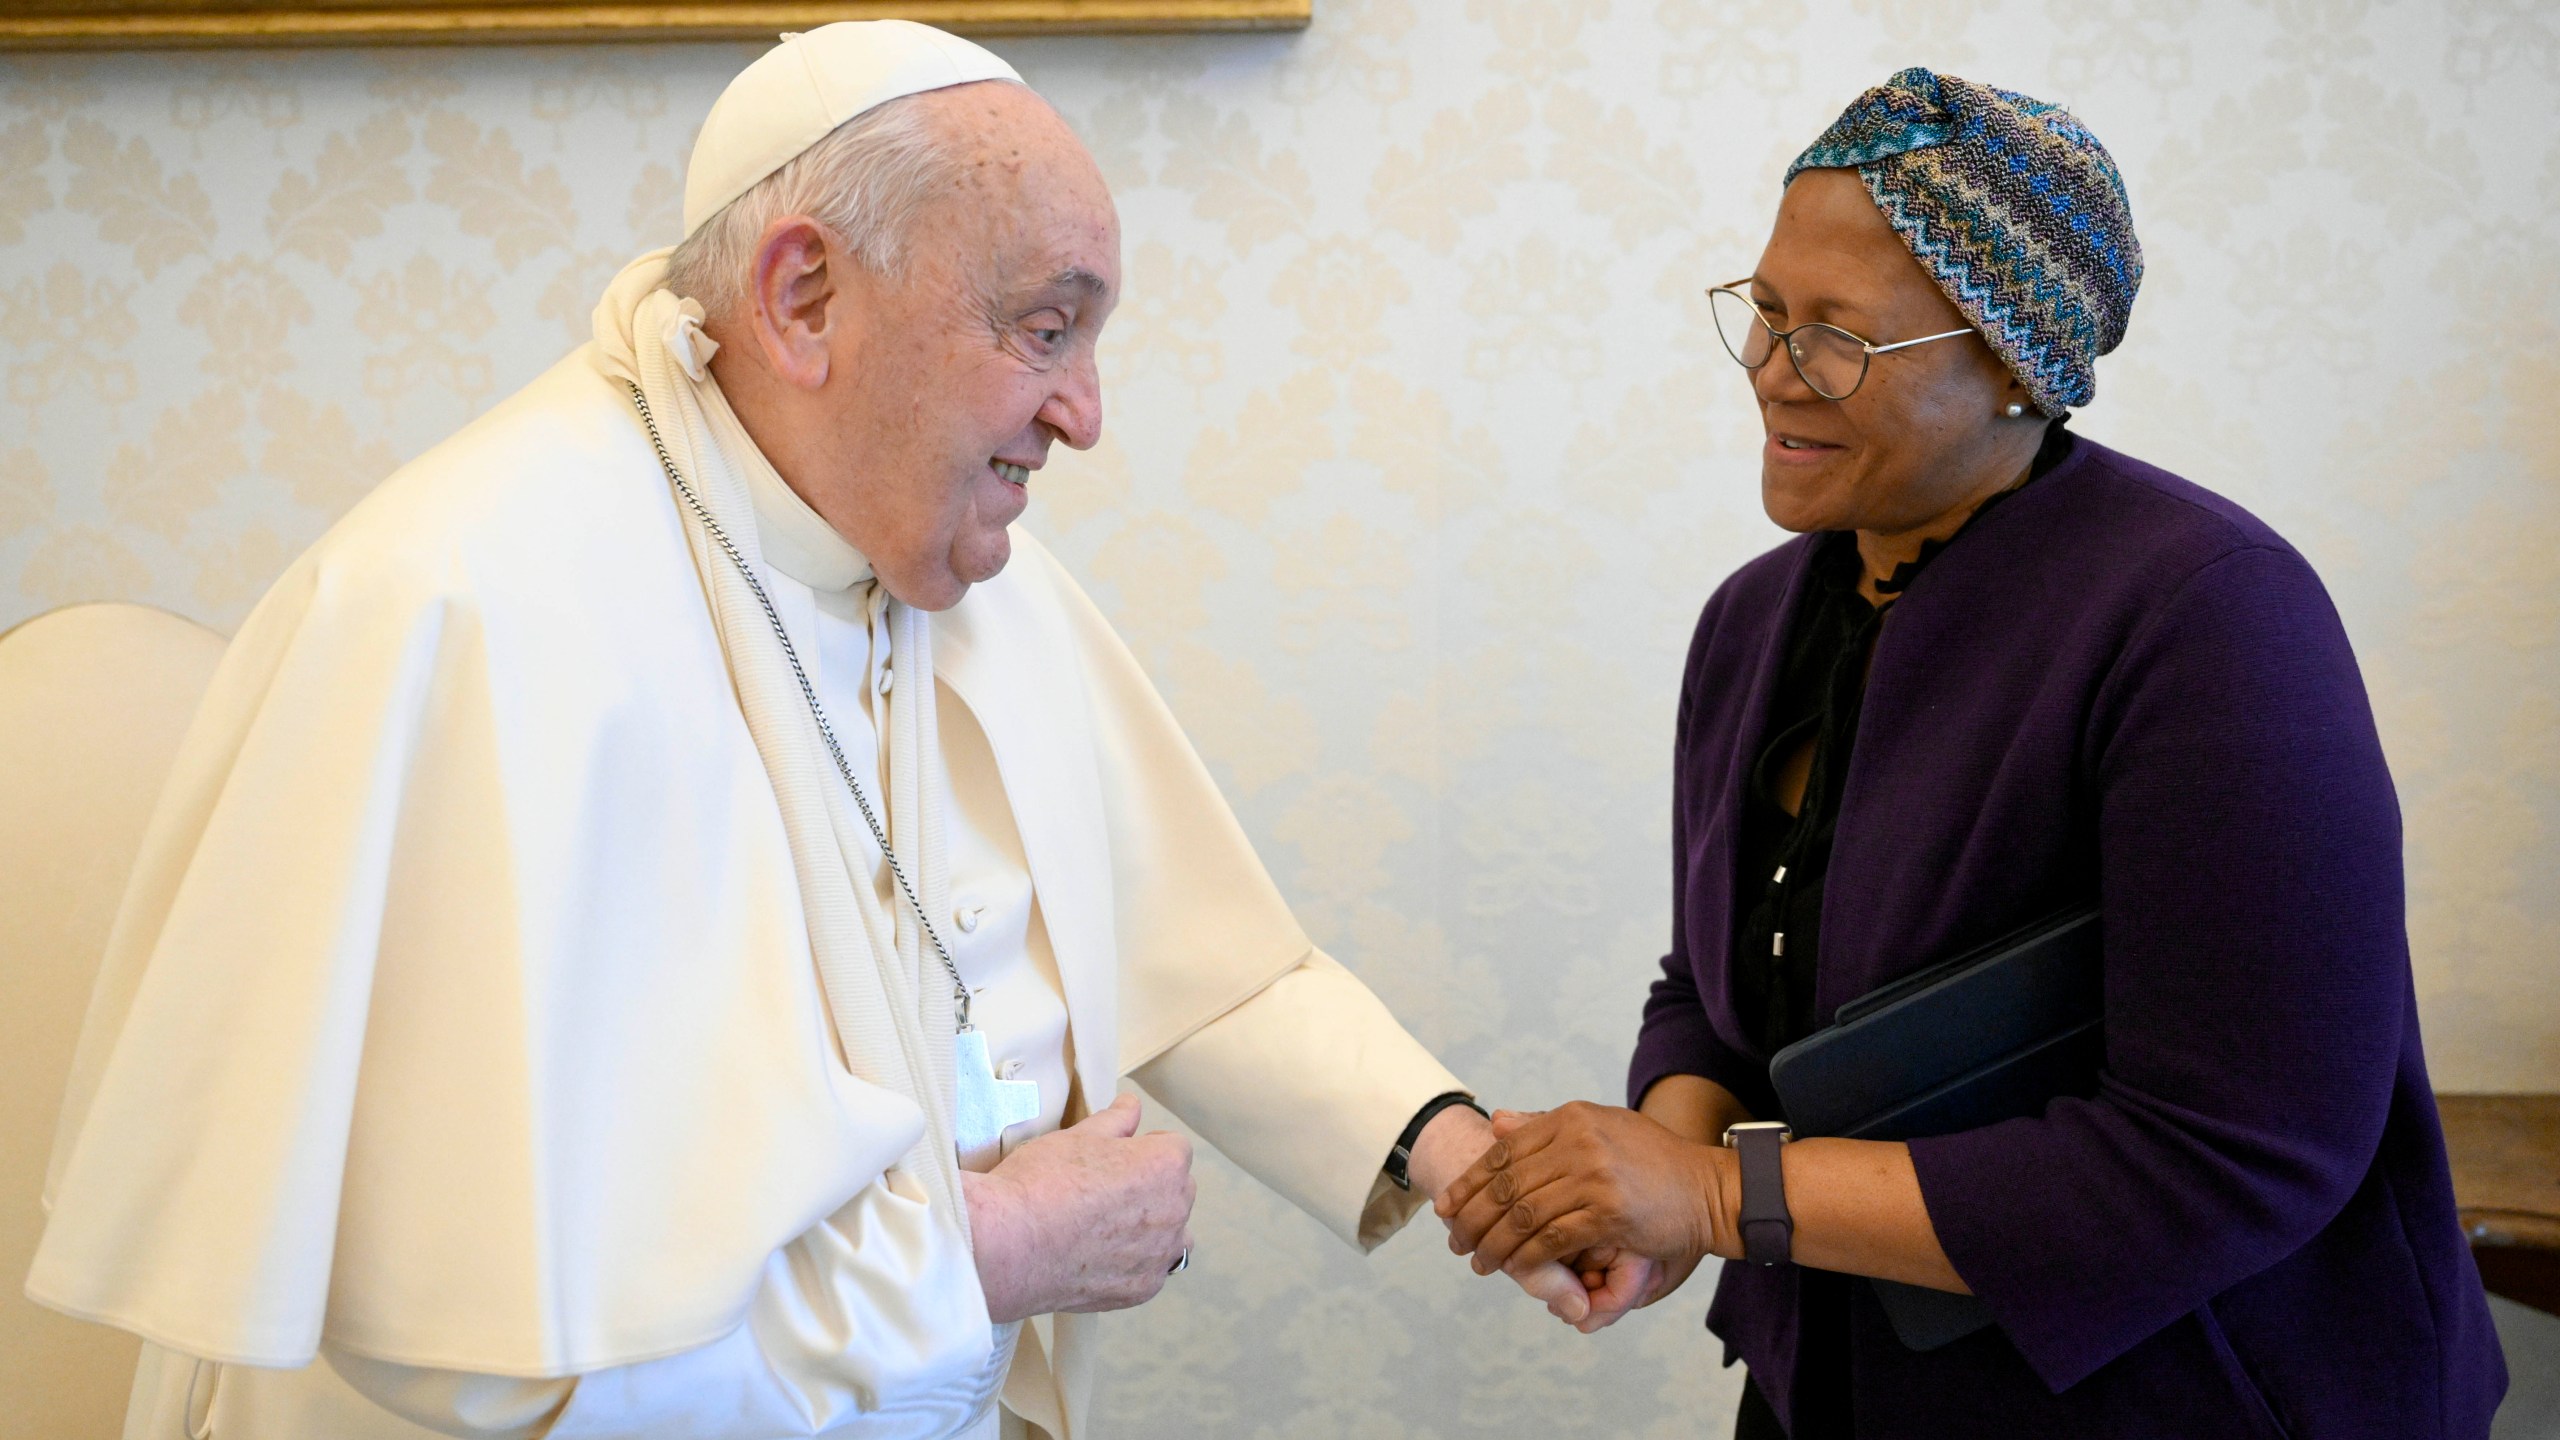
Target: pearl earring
(2015,410)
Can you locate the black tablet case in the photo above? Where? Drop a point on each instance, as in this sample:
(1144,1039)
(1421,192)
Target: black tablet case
(1993,1034)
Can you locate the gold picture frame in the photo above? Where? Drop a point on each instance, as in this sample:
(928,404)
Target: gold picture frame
(103,24)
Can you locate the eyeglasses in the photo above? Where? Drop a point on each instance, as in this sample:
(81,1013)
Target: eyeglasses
(1832,362)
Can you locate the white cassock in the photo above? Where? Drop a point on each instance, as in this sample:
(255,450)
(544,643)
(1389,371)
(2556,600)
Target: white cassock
(488,1038)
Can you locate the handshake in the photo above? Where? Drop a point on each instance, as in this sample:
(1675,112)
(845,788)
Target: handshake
(1593,1209)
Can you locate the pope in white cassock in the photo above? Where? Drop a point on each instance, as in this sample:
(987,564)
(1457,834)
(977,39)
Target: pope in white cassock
(634,938)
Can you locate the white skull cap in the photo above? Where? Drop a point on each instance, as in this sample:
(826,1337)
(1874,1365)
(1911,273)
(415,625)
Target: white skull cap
(808,85)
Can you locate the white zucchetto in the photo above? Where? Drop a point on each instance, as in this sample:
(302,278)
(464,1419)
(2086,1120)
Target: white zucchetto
(798,91)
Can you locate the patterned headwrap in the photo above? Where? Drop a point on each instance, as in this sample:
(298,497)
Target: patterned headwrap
(2012,206)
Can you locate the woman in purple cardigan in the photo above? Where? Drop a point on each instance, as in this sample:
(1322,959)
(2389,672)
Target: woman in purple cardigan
(2003,671)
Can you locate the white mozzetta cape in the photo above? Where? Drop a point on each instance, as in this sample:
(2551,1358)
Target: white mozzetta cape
(461,1012)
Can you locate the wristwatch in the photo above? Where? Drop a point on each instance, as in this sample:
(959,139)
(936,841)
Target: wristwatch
(1399,1164)
(1768,1231)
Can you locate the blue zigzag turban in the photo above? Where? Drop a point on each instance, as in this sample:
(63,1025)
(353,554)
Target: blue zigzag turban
(2012,206)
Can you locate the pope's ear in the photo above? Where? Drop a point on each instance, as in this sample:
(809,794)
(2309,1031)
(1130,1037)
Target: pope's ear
(794,276)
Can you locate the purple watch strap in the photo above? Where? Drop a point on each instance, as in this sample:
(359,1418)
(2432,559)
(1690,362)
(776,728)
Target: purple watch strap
(1768,1231)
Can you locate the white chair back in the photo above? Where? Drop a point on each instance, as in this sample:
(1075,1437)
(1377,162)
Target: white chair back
(93,702)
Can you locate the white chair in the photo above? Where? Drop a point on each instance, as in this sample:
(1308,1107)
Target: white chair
(93,702)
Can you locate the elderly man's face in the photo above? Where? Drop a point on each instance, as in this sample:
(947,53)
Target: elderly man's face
(986,355)
(913,408)
(1925,432)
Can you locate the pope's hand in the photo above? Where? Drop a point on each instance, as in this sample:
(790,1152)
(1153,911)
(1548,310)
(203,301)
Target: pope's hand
(1620,1281)
(1090,1218)
(1453,1140)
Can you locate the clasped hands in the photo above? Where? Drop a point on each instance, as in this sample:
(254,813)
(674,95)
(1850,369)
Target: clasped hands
(1620,1202)
(1592,1210)
(1089,1218)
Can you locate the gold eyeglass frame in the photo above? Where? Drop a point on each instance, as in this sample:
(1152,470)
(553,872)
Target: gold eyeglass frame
(1785,340)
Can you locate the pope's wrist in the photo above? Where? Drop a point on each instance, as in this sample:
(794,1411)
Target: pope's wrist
(1453,1140)
(996,1242)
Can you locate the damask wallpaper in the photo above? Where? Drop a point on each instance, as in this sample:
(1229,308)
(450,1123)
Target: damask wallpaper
(1421,457)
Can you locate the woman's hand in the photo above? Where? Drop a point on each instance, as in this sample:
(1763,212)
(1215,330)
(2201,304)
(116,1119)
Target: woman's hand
(1592,1178)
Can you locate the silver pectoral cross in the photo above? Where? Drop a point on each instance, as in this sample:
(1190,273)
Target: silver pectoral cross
(986,1106)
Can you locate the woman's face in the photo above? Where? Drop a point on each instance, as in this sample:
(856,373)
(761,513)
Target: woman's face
(1925,434)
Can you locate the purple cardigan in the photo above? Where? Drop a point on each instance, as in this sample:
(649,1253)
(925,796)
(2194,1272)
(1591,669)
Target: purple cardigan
(2116,685)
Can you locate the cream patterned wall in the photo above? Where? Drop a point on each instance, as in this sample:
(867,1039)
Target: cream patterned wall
(1422,456)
